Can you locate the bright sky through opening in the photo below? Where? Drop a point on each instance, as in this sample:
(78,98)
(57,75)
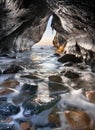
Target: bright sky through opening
(48,35)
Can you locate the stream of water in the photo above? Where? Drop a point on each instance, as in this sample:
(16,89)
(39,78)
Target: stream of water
(42,90)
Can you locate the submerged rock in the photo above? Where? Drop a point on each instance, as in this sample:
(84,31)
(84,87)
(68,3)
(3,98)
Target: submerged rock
(10,83)
(34,105)
(70,58)
(13,69)
(8,109)
(29,88)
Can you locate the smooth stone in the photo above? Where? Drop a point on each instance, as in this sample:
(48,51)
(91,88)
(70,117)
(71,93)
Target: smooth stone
(34,105)
(55,78)
(13,69)
(10,83)
(8,109)
(70,58)
(33,77)
(71,74)
(56,85)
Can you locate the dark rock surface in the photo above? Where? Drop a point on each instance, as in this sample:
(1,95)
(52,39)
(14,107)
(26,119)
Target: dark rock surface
(71,74)
(24,22)
(70,58)
(76,19)
(18,18)
(7,109)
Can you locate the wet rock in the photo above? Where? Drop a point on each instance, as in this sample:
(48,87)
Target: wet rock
(56,85)
(71,74)
(35,106)
(8,109)
(10,83)
(70,58)
(26,91)
(54,118)
(13,69)
(33,77)
(29,88)
(55,78)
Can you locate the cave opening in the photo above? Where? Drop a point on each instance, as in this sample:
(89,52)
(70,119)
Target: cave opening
(48,35)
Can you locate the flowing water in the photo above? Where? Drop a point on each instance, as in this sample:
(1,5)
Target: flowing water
(40,64)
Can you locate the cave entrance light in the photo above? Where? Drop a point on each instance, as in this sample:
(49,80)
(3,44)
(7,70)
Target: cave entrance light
(48,34)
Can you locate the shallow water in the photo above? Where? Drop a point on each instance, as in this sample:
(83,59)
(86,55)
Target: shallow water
(42,63)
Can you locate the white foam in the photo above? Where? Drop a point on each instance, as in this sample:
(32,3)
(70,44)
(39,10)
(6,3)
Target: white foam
(76,99)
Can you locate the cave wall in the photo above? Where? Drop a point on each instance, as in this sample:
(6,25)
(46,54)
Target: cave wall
(22,23)
(74,21)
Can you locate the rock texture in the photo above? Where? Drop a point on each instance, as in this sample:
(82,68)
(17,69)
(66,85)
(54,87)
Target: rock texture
(23,23)
(75,23)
